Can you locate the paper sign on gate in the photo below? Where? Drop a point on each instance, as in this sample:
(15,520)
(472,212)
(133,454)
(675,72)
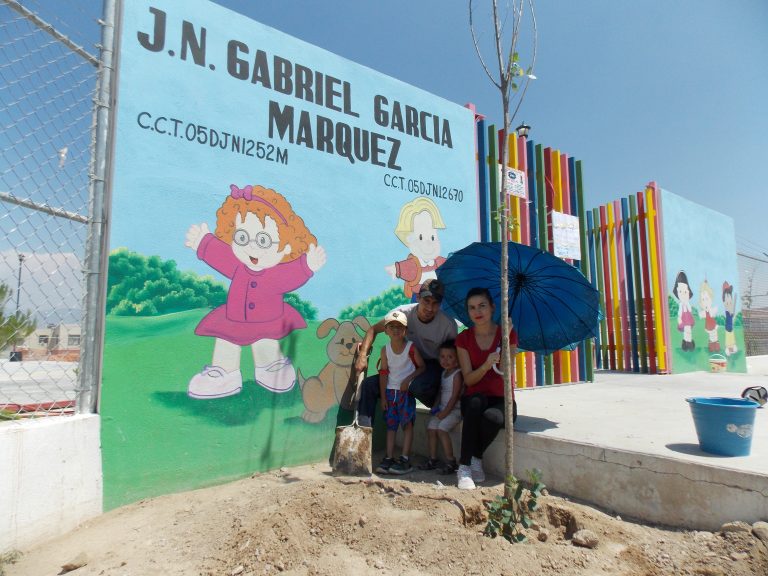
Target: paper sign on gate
(516,185)
(565,235)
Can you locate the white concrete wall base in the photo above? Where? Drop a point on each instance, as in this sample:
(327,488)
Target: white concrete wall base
(646,487)
(50,477)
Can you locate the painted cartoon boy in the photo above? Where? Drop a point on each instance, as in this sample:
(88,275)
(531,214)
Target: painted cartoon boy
(417,228)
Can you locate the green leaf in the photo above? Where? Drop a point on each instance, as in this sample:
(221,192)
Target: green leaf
(515,57)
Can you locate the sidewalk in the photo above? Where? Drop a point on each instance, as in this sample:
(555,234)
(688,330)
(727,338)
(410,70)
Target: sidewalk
(627,442)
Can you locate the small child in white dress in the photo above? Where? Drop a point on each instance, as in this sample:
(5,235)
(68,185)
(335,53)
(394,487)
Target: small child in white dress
(446,414)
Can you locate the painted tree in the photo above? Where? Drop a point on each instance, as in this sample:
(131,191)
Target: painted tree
(512,81)
(16,326)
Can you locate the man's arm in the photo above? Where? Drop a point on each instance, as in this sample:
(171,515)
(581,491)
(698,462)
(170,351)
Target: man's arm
(366,345)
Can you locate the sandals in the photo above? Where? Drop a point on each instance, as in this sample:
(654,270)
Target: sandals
(431,464)
(448,467)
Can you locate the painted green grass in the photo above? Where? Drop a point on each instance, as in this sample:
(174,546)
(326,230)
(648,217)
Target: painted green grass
(157,440)
(698,358)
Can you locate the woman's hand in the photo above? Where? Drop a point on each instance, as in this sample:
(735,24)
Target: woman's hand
(493,359)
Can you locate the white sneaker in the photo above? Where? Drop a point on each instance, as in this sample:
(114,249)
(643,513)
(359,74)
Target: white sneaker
(476,466)
(214,382)
(464,475)
(279,376)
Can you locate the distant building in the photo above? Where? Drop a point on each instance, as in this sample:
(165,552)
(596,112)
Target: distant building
(59,342)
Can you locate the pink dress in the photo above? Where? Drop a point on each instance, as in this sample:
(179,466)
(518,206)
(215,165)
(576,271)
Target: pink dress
(255,308)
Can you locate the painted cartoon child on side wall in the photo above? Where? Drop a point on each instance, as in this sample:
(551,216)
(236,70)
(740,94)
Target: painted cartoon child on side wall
(417,228)
(266,250)
(685,321)
(729,303)
(708,312)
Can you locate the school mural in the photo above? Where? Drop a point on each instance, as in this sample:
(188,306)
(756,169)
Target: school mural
(706,329)
(256,183)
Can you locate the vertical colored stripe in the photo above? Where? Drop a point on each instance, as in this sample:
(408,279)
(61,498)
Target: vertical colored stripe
(493,183)
(535,198)
(663,280)
(636,264)
(605,241)
(622,286)
(656,281)
(482,181)
(627,222)
(603,350)
(615,302)
(647,294)
(591,257)
(586,363)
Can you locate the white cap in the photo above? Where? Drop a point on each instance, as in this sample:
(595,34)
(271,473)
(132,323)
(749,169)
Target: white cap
(396,316)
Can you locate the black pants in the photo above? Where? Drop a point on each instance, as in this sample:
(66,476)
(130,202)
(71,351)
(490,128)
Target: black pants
(477,430)
(424,387)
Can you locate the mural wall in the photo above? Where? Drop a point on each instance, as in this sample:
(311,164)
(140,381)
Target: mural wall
(270,200)
(705,321)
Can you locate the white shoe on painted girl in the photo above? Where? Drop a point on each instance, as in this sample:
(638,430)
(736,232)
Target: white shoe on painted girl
(215,382)
(279,376)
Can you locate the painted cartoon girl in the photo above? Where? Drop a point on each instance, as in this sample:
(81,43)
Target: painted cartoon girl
(708,312)
(730,310)
(417,229)
(685,321)
(266,250)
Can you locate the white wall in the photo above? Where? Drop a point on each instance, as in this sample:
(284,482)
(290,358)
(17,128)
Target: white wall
(50,477)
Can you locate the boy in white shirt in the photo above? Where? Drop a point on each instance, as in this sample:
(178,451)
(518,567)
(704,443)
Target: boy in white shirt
(400,364)
(446,414)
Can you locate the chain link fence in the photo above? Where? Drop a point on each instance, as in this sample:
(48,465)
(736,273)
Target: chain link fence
(48,82)
(753,277)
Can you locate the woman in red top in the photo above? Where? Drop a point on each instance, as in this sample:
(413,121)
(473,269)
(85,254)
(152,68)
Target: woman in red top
(482,405)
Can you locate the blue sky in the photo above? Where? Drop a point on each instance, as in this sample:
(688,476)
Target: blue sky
(639,91)
(648,90)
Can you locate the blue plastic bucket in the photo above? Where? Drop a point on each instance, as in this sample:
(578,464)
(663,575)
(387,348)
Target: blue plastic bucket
(724,425)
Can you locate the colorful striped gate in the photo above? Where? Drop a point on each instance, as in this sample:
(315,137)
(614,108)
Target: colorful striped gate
(554,182)
(626,257)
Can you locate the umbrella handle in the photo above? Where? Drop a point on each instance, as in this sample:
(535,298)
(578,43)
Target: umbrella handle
(496,366)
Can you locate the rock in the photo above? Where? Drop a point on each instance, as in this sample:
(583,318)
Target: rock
(736,556)
(702,536)
(79,561)
(585,539)
(737,526)
(543,535)
(760,530)
(238,570)
(562,516)
(362,521)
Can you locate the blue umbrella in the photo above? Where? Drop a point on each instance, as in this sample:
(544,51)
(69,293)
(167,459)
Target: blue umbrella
(552,305)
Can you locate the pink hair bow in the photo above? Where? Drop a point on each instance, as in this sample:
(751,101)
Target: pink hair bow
(247,193)
(241,192)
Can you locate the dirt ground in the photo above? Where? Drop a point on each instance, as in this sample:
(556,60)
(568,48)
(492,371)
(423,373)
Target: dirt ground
(303,521)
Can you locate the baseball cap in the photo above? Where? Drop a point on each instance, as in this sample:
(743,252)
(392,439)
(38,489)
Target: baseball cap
(396,316)
(434,288)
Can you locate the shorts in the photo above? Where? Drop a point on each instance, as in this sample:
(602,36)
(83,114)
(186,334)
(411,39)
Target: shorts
(446,424)
(401,409)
